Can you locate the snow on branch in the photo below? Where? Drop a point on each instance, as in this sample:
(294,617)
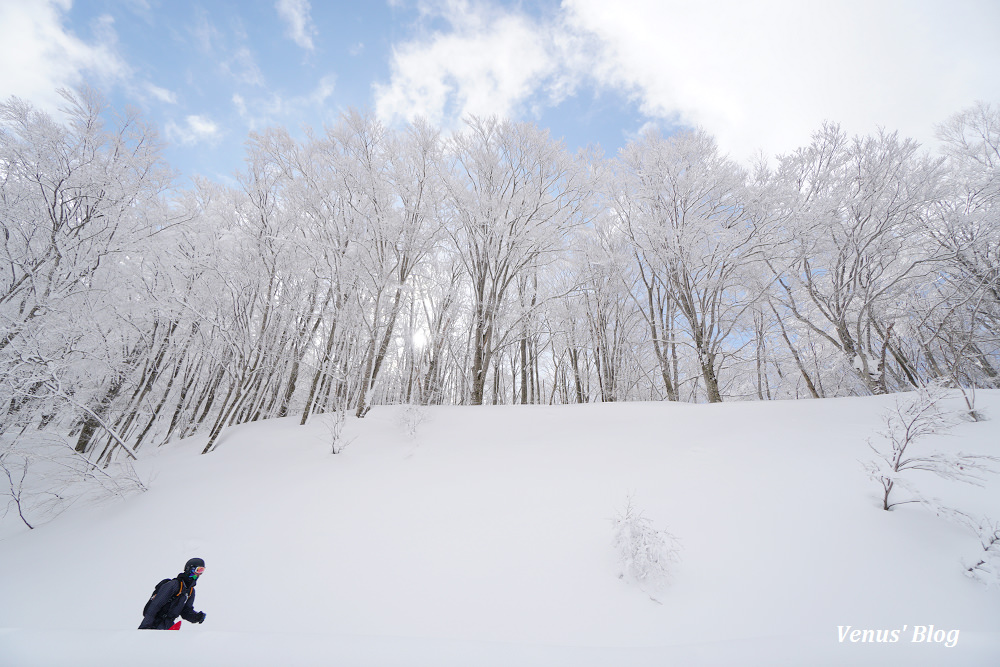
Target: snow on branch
(43,476)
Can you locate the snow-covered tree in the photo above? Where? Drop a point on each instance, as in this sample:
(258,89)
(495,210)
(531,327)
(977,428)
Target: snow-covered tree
(512,194)
(858,251)
(79,200)
(684,206)
(961,315)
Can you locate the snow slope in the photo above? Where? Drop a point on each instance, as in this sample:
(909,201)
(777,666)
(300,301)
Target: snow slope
(486,540)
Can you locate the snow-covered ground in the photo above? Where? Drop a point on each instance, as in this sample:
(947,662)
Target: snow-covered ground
(486,539)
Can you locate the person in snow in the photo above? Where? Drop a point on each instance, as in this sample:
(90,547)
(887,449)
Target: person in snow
(173,598)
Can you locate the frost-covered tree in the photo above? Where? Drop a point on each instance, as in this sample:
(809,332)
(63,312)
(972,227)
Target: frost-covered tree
(511,195)
(961,315)
(79,200)
(367,264)
(80,205)
(393,186)
(858,247)
(684,206)
(613,327)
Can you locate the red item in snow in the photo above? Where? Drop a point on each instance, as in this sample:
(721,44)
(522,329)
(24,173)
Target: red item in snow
(176,626)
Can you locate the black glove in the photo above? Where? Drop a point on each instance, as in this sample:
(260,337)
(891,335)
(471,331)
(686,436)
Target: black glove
(200,617)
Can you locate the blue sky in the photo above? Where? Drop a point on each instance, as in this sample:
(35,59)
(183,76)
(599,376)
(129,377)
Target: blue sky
(760,76)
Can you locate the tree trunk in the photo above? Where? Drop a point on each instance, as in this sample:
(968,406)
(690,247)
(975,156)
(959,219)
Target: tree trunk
(796,357)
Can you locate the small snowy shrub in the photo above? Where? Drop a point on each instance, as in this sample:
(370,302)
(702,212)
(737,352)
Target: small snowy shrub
(913,419)
(335,422)
(410,419)
(646,555)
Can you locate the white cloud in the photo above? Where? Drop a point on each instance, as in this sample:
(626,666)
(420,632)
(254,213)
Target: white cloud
(274,109)
(40,55)
(296,14)
(228,49)
(324,89)
(240,104)
(138,6)
(196,129)
(243,67)
(757,75)
(766,74)
(490,62)
(162,94)
(206,35)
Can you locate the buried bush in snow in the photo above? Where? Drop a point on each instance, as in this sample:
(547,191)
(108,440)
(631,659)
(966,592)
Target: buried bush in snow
(410,419)
(985,566)
(646,554)
(986,569)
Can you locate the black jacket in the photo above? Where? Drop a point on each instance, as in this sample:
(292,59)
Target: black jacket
(174,598)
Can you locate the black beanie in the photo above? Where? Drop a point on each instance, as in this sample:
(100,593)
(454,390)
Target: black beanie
(193,563)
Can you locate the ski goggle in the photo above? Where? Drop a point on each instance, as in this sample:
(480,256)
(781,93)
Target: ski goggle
(198,571)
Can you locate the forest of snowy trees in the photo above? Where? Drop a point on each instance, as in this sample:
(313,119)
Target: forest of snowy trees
(368,265)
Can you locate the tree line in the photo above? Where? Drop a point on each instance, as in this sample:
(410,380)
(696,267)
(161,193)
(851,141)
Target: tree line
(365,265)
